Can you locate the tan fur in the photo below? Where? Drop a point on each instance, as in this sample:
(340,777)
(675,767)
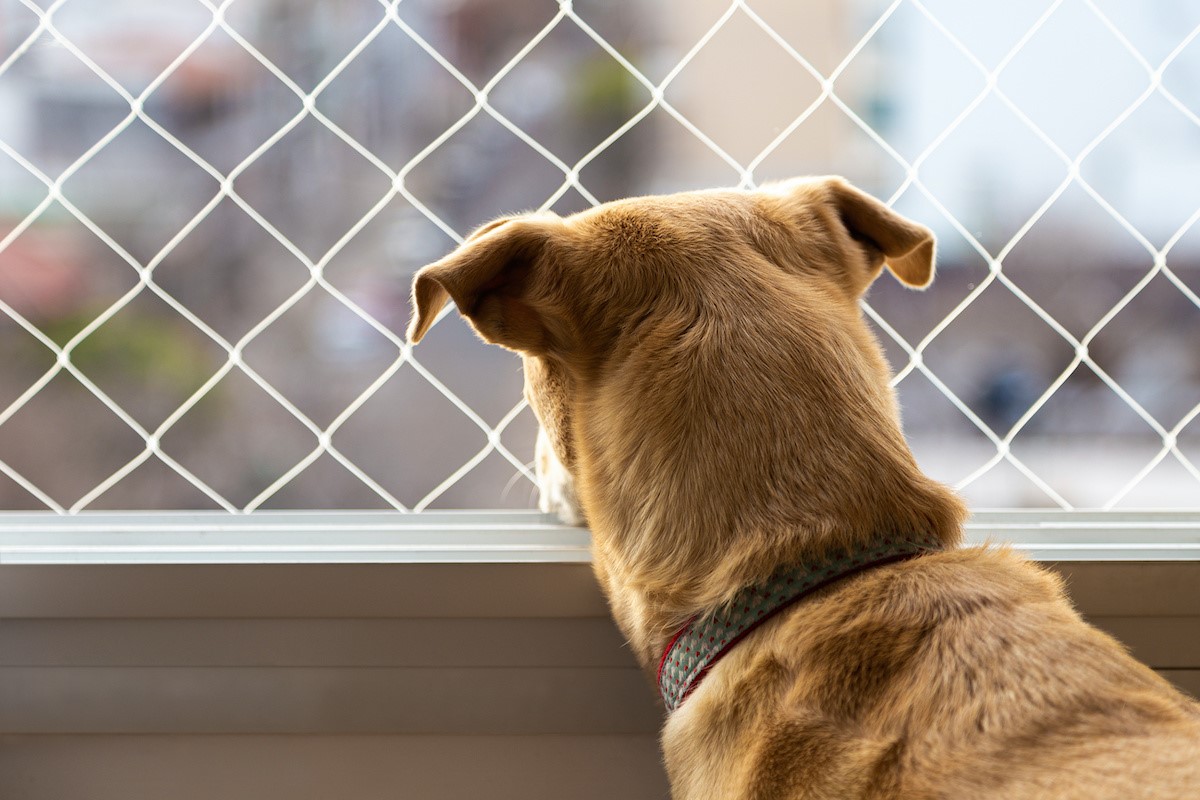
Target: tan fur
(702,373)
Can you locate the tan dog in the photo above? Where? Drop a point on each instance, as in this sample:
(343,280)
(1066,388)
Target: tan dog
(703,375)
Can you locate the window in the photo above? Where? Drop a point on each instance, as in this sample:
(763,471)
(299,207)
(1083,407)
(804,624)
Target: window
(209,215)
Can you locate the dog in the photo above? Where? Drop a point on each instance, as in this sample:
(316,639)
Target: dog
(714,406)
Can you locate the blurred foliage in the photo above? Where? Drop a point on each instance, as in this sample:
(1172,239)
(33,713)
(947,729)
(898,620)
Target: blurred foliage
(148,349)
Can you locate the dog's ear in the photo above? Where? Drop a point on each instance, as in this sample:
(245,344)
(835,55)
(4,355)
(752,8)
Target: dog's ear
(905,247)
(489,278)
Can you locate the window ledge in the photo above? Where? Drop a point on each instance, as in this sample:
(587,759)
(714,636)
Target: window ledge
(500,537)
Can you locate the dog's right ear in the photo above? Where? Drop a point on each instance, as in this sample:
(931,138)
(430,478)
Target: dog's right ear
(489,278)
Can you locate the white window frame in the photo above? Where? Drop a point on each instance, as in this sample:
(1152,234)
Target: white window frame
(501,537)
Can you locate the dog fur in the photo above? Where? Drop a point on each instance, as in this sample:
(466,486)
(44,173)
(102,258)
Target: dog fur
(714,405)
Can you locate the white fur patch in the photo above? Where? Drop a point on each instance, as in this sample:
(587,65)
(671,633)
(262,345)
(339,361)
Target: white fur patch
(556,487)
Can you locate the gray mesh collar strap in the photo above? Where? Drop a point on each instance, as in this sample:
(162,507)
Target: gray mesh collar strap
(700,643)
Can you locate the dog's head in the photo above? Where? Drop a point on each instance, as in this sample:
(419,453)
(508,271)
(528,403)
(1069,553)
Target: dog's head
(699,351)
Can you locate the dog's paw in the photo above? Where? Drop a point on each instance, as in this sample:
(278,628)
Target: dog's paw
(556,487)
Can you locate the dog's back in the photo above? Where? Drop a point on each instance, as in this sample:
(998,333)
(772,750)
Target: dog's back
(962,674)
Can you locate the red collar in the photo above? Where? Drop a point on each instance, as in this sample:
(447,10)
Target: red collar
(701,642)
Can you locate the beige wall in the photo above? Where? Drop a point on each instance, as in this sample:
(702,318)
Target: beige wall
(742,90)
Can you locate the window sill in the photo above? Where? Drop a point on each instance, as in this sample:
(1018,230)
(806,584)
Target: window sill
(499,537)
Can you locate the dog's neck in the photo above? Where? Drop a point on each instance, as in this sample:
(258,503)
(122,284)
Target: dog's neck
(699,644)
(660,570)
(651,614)
(715,482)
(661,564)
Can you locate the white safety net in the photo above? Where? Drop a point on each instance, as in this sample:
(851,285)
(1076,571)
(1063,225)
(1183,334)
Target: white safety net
(210,212)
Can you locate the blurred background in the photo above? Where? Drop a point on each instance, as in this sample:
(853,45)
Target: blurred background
(209,219)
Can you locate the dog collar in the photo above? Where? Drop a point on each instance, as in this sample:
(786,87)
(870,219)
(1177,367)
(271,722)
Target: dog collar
(707,637)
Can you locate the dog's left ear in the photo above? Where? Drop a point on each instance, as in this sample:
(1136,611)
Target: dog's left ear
(490,278)
(905,247)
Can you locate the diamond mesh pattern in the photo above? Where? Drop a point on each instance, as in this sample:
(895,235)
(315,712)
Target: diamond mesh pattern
(302,107)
